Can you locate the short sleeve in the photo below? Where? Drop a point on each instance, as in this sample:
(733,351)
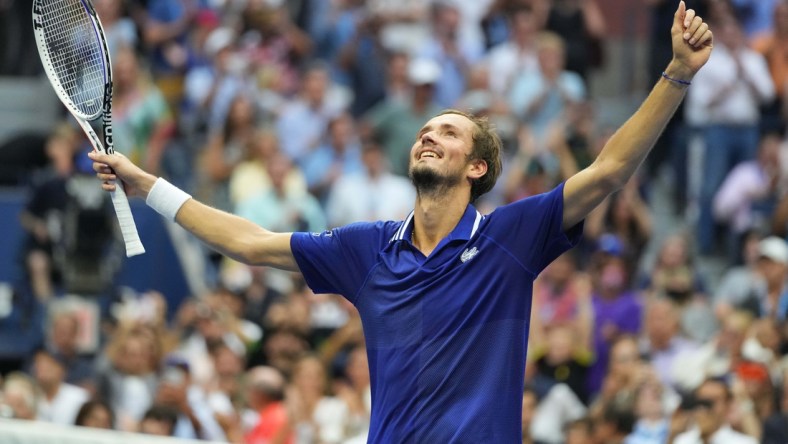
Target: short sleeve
(339,260)
(532,229)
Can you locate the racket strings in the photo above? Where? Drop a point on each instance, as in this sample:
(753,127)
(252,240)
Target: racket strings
(75,52)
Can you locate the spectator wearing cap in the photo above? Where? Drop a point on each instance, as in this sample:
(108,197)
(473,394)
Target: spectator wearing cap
(773,267)
(60,402)
(394,122)
(711,409)
(741,285)
(617,310)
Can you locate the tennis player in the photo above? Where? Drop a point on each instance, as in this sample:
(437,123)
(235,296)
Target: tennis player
(444,295)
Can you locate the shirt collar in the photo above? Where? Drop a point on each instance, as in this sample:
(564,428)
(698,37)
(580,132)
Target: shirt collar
(465,229)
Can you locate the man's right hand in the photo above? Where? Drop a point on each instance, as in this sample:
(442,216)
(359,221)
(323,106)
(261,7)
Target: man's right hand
(110,167)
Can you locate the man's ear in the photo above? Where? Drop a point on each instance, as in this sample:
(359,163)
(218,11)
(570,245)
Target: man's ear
(476,169)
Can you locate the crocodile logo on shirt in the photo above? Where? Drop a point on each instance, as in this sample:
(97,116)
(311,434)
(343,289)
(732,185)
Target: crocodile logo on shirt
(468,254)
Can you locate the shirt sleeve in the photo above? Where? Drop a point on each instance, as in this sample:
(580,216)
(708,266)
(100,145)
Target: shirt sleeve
(531,229)
(338,260)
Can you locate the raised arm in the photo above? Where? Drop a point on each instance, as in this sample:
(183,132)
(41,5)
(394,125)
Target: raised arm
(628,147)
(228,234)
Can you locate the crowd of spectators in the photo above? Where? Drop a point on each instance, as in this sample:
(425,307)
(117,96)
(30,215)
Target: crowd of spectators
(299,115)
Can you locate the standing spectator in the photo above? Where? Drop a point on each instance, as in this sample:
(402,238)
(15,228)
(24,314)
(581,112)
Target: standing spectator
(772,45)
(338,156)
(371,194)
(454,53)
(273,45)
(281,207)
(211,88)
(60,402)
(140,114)
(120,30)
(394,121)
(225,149)
(250,176)
(363,59)
(303,121)
(539,97)
(517,54)
(617,311)
(748,195)
(725,104)
(582,26)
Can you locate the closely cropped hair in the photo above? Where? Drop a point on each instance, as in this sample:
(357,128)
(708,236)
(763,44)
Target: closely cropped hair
(487,147)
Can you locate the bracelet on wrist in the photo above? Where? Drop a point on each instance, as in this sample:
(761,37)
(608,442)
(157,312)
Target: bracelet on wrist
(166,198)
(674,80)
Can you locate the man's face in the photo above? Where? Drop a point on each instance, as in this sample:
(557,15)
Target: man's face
(712,410)
(439,157)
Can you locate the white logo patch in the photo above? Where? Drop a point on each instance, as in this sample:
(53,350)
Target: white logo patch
(468,254)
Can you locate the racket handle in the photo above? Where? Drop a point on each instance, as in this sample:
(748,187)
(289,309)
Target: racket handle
(127,227)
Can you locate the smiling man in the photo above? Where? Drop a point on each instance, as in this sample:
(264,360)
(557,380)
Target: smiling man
(444,295)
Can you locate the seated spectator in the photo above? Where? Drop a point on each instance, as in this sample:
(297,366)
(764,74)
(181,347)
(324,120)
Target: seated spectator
(126,376)
(195,419)
(652,425)
(95,414)
(663,340)
(266,388)
(59,402)
(19,397)
(316,416)
(250,176)
(159,420)
(64,328)
(712,407)
(613,425)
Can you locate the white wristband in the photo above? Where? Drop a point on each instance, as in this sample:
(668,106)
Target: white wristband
(166,198)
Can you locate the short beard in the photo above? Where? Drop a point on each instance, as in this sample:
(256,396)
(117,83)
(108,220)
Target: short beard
(429,183)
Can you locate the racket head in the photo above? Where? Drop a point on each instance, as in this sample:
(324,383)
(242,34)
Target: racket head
(74,53)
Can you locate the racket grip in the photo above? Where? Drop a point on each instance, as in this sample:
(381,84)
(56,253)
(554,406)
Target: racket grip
(127,227)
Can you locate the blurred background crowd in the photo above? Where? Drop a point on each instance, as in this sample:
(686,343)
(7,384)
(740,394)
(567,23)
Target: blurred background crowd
(668,321)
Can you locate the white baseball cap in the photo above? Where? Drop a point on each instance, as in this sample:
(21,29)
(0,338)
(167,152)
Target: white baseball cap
(774,248)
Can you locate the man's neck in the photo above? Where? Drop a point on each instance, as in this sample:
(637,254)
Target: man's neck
(435,217)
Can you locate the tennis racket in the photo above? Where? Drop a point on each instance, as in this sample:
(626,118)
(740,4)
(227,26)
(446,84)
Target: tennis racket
(75,56)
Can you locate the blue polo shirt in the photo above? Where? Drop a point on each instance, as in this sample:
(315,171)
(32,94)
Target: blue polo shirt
(446,334)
